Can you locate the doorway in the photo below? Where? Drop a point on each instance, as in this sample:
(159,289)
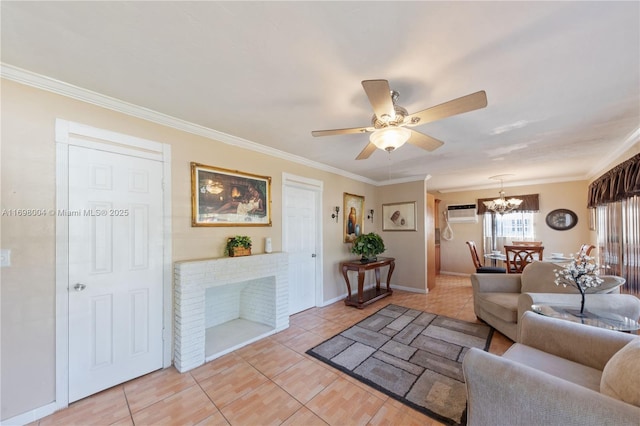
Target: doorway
(301,239)
(113,250)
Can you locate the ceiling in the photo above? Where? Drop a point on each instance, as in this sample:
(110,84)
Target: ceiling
(562,78)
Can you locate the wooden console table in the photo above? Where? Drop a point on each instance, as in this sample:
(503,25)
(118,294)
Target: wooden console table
(369,296)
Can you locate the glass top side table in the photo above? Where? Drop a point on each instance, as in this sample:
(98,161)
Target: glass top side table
(596,318)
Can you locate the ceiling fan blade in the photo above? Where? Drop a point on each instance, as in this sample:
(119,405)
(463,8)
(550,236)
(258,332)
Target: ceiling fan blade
(424,141)
(341,131)
(457,106)
(379,95)
(366,152)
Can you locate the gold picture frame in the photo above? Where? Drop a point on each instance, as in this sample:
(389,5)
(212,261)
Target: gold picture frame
(353,211)
(223,197)
(399,216)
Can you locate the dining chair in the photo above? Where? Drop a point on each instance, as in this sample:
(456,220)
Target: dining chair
(526,243)
(586,249)
(518,257)
(480,268)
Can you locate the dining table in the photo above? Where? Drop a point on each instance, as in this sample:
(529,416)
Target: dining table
(501,257)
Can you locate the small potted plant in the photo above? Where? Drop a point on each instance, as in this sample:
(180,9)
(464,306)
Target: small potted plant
(240,245)
(368,246)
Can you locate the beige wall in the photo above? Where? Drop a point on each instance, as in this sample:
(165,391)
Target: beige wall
(28,181)
(407,247)
(455,257)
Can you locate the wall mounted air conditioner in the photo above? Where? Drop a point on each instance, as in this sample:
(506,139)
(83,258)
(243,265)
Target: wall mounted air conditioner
(462,213)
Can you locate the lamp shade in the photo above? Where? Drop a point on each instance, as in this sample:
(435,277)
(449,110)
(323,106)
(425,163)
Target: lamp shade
(390,138)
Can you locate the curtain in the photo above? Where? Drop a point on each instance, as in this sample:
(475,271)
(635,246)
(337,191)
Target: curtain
(619,241)
(631,244)
(616,197)
(530,203)
(623,181)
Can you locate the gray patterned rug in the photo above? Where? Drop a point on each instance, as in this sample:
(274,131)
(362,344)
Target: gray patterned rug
(412,356)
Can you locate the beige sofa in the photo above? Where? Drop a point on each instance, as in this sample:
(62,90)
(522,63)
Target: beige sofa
(501,299)
(560,373)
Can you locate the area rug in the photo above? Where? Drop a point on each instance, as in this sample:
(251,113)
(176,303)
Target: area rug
(410,355)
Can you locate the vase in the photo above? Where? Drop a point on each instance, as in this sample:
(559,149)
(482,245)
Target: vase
(351,221)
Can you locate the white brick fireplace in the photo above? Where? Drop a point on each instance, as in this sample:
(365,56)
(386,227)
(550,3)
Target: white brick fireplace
(226,303)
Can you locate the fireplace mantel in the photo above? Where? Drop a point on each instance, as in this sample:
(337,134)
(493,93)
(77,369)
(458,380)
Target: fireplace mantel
(216,297)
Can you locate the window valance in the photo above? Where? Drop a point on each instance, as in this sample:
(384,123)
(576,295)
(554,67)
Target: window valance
(530,203)
(623,181)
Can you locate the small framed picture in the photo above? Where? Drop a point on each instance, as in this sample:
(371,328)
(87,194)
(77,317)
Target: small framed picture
(353,216)
(399,216)
(221,197)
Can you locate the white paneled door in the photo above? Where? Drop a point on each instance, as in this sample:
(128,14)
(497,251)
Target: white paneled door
(300,235)
(115,269)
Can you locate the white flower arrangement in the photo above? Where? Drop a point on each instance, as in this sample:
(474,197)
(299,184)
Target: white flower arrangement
(581,273)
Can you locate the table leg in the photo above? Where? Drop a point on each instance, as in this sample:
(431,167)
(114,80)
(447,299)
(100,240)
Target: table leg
(361,287)
(392,266)
(345,271)
(378,280)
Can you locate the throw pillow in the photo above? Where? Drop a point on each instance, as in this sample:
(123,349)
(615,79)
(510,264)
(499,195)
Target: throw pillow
(621,375)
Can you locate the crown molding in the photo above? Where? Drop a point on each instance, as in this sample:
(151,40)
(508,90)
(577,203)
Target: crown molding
(49,84)
(514,184)
(599,168)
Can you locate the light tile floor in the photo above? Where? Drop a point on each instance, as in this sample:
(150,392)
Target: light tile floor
(273,381)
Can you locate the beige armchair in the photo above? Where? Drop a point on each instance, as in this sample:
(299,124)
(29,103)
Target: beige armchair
(501,299)
(560,373)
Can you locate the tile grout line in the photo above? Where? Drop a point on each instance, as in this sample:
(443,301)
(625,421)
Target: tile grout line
(209,398)
(128,406)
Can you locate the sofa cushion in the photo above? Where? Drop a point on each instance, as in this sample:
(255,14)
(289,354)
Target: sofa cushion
(501,305)
(621,375)
(556,366)
(538,277)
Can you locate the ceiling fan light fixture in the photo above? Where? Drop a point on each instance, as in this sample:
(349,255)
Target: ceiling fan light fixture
(390,138)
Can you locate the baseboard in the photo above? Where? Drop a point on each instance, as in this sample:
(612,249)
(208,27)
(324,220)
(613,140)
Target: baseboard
(409,289)
(368,286)
(458,274)
(334,300)
(31,416)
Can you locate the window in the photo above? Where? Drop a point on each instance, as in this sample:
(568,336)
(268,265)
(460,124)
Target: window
(502,229)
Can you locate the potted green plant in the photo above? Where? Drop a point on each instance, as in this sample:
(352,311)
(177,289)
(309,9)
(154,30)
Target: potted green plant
(368,246)
(240,245)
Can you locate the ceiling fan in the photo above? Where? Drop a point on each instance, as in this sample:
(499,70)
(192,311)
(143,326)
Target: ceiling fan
(390,125)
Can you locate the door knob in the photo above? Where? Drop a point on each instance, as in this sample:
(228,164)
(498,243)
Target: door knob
(79,286)
(313,255)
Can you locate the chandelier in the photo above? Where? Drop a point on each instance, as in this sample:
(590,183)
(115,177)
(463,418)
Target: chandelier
(501,205)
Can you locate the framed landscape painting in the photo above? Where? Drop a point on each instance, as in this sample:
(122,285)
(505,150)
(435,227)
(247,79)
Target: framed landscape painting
(399,216)
(221,197)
